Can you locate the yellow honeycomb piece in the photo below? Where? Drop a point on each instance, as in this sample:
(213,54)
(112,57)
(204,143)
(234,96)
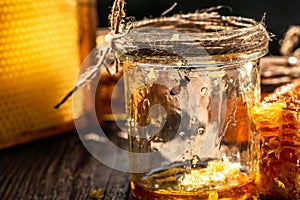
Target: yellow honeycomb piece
(277,120)
(39,61)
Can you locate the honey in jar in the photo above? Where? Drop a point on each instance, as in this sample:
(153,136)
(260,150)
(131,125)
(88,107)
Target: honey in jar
(190,85)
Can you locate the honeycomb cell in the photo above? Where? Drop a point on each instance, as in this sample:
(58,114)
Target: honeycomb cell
(39,62)
(280,157)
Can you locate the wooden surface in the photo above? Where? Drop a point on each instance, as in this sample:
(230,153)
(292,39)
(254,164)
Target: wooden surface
(36,135)
(58,168)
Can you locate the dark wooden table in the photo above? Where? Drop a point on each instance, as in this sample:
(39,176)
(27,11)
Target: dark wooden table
(61,168)
(58,168)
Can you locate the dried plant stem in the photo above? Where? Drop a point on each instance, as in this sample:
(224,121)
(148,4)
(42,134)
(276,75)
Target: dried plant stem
(117,14)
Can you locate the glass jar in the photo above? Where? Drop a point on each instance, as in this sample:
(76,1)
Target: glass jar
(190,84)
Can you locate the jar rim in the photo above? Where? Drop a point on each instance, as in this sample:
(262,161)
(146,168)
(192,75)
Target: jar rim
(200,37)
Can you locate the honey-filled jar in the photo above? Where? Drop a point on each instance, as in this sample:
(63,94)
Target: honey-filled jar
(191,81)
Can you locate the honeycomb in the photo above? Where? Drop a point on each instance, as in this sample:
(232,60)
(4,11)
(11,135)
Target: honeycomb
(278,121)
(39,60)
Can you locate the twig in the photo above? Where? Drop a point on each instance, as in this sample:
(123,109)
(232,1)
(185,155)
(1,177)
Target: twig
(117,14)
(89,75)
(279,69)
(169,9)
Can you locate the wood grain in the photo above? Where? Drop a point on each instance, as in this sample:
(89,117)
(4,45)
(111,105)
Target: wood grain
(57,168)
(37,135)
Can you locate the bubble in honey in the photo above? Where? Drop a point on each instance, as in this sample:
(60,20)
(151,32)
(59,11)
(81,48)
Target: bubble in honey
(228,83)
(194,120)
(204,91)
(234,123)
(201,130)
(195,160)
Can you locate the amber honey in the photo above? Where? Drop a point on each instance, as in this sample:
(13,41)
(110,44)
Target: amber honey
(216,181)
(239,192)
(188,96)
(227,172)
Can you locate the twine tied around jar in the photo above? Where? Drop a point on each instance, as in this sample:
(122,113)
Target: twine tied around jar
(218,35)
(230,38)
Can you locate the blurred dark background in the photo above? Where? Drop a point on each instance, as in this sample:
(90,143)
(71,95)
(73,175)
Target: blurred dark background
(279,14)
